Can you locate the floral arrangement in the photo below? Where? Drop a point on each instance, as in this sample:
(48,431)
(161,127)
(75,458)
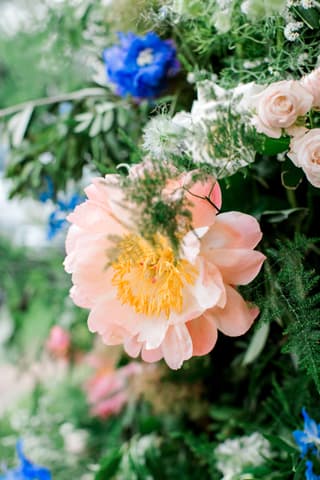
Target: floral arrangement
(182,193)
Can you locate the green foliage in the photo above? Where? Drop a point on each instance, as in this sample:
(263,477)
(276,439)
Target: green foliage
(86,135)
(297,304)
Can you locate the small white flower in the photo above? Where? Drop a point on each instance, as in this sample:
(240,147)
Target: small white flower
(291,31)
(293,3)
(245,7)
(162,137)
(235,454)
(307,4)
(45,158)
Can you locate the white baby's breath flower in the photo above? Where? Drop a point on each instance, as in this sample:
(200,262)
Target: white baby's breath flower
(235,454)
(307,4)
(245,7)
(291,31)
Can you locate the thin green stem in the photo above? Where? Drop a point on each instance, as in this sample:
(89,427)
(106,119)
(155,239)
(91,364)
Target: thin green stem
(78,95)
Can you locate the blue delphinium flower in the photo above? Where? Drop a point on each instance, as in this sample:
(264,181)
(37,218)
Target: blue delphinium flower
(26,469)
(139,66)
(57,219)
(308,438)
(48,192)
(310,475)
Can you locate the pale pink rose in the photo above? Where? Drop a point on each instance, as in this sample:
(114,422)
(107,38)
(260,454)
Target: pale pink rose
(140,295)
(58,342)
(311,83)
(279,106)
(305,153)
(107,389)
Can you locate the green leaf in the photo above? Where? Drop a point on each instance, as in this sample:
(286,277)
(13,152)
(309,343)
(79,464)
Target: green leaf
(276,216)
(18,125)
(107,122)
(257,343)
(310,16)
(281,444)
(96,126)
(273,146)
(109,465)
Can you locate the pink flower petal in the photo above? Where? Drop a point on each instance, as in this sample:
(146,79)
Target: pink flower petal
(95,218)
(207,291)
(177,346)
(204,212)
(204,335)
(110,406)
(132,347)
(115,322)
(232,230)
(152,330)
(151,356)
(74,233)
(80,297)
(237,266)
(236,317)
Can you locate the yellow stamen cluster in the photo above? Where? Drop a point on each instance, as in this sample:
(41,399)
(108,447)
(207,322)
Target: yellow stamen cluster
(149,277)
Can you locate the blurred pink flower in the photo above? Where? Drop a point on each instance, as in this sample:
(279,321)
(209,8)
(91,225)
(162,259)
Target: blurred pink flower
(149,300)
(107,389)
(58,343)
(279,106)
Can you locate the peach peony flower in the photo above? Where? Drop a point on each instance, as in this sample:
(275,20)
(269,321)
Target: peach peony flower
(311,83)
(58,342)
(279,106)
(144,297)
(305,153)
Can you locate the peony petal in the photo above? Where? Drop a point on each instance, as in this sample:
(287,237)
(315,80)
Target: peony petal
(95,218)
(151,356)
(232,230)
(191,246)
(204,212)
(177,346)
(152,330)
(132,347)
(204,335)
(236,317)
(237,266)
(207,292)
(80,297)
(115,322)
(73,235)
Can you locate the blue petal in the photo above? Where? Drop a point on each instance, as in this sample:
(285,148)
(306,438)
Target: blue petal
(27,470)
(47,194)
(310,475)
(142,81)
(302,440)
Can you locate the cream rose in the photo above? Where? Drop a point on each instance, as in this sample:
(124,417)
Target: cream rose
(311,83)
(279,106)
(305,153)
